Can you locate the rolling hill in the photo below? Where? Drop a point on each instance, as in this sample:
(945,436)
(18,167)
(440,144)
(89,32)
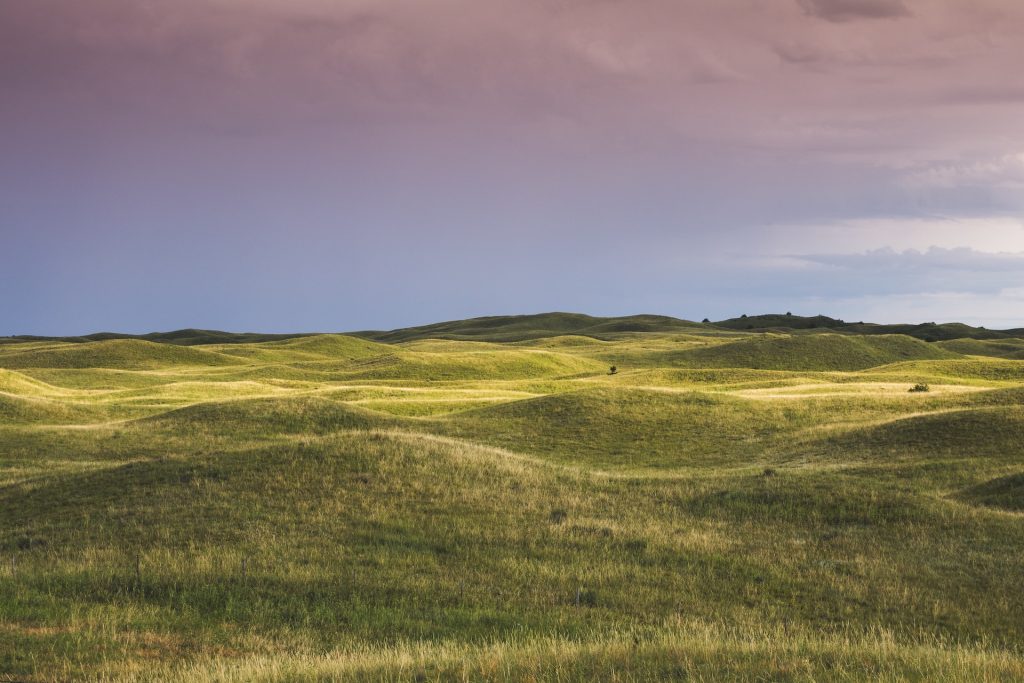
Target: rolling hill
(818,352)
(488,500)
(124,354)
(926,331)
(511,328)
(523,327)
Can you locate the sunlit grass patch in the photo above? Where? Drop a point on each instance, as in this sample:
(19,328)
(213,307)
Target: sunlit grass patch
(725,505)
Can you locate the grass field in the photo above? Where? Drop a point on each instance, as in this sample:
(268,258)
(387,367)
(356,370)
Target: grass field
(488,502)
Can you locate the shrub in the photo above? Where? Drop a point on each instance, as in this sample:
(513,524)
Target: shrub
(586,597)
(919,387)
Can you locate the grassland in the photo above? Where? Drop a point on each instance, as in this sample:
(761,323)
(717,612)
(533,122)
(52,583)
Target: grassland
(487,501)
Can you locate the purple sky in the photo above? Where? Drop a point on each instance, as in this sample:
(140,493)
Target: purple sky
(286,165)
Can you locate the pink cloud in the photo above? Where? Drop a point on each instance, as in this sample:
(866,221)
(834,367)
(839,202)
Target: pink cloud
(850,10)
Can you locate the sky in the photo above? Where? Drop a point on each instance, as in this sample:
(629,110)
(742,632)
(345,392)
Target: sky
(337,165)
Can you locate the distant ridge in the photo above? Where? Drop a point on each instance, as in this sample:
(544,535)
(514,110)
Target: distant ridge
(186,337)
(926,331)
(522,327)
(512,328)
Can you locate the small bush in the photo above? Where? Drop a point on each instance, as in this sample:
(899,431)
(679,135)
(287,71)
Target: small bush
(636,546)
(585,597)
(919,388)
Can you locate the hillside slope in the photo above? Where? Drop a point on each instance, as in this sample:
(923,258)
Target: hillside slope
(336,508)
(511,328)
(815,352)
(124,354)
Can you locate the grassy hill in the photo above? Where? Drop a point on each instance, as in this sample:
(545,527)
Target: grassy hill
(818,352)
(1002,348)
(780,322)
(320,347)
(186,337)
(486,500)
(510,328)
(12,382)
(124,354)
(524,327)
(925,331)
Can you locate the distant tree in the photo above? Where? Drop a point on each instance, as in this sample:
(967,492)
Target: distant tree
(705,320)
(743,315)
(788,313)
(612,370)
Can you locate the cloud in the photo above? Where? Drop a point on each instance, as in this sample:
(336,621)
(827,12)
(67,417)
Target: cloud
(851,10)
(605,66)
(887,272)
(913,261)
(879,285)
(996,310)
(1005,172)
(985,234)
(674,128)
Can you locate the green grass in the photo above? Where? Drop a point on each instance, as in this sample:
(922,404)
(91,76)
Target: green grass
(931,332)
(1007,348)
(126,354)
(726,506)
(817,352)
(512,328)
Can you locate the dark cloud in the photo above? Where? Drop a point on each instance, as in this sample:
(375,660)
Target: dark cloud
(851,10)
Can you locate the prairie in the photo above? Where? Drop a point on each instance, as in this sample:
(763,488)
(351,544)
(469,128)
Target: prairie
(486,500)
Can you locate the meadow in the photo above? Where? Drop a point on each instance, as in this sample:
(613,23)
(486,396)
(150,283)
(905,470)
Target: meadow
(486,501)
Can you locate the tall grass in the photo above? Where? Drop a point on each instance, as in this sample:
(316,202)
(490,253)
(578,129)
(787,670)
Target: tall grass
(329,508)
